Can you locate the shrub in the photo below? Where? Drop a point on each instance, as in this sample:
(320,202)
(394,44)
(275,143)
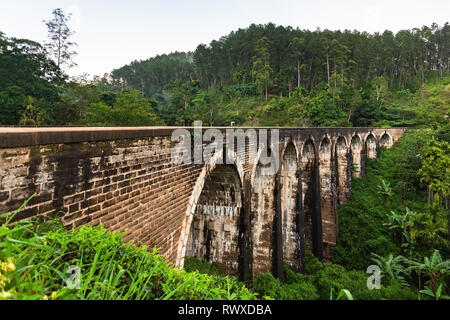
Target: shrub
(361,229)
(266,285)
(299,291)
(110,269)
(192,264)
(394,291)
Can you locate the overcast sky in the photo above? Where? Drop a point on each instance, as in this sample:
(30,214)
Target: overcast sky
(111,33)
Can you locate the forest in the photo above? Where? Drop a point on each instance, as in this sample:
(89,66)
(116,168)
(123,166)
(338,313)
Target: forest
(264,75)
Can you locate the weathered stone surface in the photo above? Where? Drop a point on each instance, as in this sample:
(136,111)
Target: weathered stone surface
(262,227)
(289,211)
(216,232)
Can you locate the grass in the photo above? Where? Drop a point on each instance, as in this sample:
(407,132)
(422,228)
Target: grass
(36,259)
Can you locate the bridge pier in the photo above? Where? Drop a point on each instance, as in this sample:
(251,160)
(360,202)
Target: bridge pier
(288,209)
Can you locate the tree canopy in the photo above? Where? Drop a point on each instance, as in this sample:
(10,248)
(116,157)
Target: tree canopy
(263,74)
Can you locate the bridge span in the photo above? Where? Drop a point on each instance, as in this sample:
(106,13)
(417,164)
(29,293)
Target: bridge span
(237,215)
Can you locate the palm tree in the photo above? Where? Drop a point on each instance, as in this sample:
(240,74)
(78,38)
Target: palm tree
(392,267)
(385,190)
(434,268)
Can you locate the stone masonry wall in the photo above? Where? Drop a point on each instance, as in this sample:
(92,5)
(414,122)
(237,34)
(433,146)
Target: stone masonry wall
(124,179)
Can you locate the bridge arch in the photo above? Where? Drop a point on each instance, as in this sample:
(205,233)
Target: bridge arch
(212,223)
(386,140)
(356,150)
(327,193)
(371,146)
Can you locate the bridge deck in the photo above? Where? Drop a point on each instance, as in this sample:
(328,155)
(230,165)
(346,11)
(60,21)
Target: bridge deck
(11,137)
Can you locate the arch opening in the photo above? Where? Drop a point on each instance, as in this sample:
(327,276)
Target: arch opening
(371,146)
(343,170)
(356,149)
(386,141)
(216,230)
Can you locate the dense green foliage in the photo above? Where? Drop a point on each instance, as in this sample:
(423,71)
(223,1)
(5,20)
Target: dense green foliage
(60,47)
(390,221)
(35,258)
(374,222)
(361,229)
(393,221)
(129,108)
(345,78)
(192,264)
(26,71)
(262,75)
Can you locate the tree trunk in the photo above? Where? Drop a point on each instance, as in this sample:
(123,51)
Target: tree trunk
(309,77)
(328,70)
(211,117)
(59,47)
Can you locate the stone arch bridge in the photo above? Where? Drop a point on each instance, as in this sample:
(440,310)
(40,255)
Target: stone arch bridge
(245,221)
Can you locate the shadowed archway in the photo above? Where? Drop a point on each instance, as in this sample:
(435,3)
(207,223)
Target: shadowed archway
(216,231)
(356,149)
(386,141)
(371,146)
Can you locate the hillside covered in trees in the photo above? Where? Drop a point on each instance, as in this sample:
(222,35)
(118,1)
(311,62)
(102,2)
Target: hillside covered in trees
(262,75)
(317,78)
